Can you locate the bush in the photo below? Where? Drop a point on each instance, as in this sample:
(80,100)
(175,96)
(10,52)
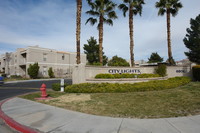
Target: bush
(125,75)
(33,70)
(96,64)
(161,70)
(147,75)
(126,87)
(196,72)
(16,77)
(51,73)
(117,61)
(104,76)
(56,86)
(4,75)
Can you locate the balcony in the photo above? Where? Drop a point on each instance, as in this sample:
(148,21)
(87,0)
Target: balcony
(22,60)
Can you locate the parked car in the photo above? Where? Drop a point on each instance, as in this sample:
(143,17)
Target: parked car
(1,80)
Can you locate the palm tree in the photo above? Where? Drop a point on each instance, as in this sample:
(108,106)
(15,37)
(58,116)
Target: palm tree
(134,7)
(78,29)
(170,7)
(103,12)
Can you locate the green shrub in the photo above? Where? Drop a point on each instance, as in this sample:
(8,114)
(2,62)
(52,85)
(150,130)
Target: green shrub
(117,61)
(145,75)
(196,72)
(161,70)
(33,70)
(97,64)
(56,86)
(125,75)
(16,77)
(126,87)
(104,76)
(51,73)
(4,75)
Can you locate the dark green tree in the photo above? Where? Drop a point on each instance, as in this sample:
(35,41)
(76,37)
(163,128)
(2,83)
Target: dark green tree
(51,73)
(169,7)
(102,11)
(117,61)
(192,40)
(155,57)
(133,7)
(92,51)
(33,70)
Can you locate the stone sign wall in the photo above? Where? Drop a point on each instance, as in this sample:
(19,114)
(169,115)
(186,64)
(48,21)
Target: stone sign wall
(81,73)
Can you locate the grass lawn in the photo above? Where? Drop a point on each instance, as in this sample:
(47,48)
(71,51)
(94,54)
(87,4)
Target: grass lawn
(182,101)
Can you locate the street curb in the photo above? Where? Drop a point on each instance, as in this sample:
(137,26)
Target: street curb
(12,123)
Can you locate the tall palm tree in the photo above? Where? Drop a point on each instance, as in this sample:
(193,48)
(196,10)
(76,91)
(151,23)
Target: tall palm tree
(134,7)
(102,12)
(78,29)
(170,7)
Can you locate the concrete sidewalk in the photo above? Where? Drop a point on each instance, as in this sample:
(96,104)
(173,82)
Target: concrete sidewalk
(51,119)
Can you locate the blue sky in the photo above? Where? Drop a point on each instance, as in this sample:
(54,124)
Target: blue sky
(52,24)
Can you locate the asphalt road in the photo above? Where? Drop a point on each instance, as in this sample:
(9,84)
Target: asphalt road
(35,84)
(9,90)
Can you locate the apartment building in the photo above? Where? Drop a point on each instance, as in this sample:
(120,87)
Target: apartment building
(17,63)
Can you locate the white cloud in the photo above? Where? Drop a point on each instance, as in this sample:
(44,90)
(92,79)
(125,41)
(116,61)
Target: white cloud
(52,24)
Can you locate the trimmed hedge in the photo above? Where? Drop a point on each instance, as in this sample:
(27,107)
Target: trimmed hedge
(104,76)
(56,86)
(125,75)
(126,87)
(196,72)
(161,70)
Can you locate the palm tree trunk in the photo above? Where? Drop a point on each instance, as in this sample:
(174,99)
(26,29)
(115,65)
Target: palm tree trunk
(131,36)
(169,39)
(78,30)
(101,39)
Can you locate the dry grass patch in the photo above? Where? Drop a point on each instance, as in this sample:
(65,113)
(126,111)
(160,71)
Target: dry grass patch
(71,98)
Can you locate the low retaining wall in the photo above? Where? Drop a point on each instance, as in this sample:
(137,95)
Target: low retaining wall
(83,74)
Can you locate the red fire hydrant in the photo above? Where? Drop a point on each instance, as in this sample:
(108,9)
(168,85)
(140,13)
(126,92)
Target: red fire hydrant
(43,91)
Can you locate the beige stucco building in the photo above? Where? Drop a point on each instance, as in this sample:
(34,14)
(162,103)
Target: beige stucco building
(17,63)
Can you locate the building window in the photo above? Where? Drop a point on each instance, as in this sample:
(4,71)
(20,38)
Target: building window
(44,71)
(44,57)
(63,57)
(15,58)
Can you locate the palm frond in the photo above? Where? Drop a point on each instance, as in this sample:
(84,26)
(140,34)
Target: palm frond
(91,20)
(112,15)
(91,4)
(174,12)
(104,8)
(126,1)
(161,4)
(124,9)
(172,5)
(108,21)
(176,5)
(110,6)
(93,13)
(161,11)
(136,7)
